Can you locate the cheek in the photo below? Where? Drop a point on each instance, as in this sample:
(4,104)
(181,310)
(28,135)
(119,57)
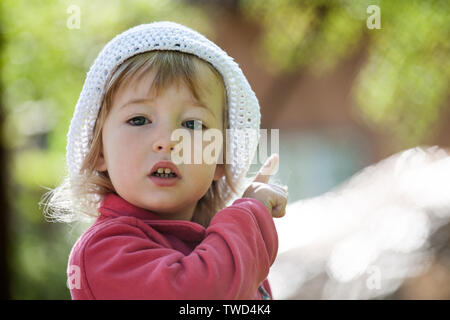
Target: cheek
(200,173)
(208,151)
(123,153)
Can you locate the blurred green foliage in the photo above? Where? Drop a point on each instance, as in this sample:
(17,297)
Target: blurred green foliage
(403,86)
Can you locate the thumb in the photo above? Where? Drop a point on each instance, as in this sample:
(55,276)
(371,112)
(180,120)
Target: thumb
(266,170)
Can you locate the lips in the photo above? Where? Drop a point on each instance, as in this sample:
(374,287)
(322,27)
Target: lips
(166,164)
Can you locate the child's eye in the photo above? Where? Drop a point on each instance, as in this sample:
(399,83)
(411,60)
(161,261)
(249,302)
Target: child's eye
(137,121)
(195,125)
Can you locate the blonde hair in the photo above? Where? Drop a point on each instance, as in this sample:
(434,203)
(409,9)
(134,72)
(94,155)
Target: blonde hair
(77,199)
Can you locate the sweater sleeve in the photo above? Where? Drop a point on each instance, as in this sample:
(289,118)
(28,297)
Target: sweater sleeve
(121,261)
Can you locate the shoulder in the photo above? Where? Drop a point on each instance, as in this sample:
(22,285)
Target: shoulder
(107,229)
(103,225)
(102,244)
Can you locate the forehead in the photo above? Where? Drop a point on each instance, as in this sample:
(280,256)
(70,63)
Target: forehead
(200,83)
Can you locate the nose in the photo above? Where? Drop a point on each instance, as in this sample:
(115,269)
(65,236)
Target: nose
(163,143)
(161,146)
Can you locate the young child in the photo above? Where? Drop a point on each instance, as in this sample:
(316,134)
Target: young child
(164,230)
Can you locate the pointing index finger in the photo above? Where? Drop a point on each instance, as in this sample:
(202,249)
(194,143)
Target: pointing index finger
(267,169)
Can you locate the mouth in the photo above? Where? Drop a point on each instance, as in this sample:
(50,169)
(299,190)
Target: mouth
(165,170)
(164,175)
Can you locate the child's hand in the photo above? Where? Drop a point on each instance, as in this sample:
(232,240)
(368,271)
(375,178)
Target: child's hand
(274,197)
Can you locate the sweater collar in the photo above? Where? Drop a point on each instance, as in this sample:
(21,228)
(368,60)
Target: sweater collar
(114,205)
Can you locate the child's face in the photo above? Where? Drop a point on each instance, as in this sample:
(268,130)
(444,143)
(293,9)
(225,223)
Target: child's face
(137,135)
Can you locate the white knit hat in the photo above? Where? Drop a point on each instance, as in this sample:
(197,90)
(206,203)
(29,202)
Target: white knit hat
(243,106)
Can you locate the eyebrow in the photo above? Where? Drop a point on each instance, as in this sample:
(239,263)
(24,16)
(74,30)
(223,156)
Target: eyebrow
(135,101)
(197,103)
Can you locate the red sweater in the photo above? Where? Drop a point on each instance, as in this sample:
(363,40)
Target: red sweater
(131,253)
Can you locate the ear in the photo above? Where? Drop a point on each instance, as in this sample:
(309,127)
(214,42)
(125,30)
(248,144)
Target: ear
(220,171)
(101,163)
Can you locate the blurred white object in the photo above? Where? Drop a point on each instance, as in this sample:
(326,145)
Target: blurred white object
(362,239)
